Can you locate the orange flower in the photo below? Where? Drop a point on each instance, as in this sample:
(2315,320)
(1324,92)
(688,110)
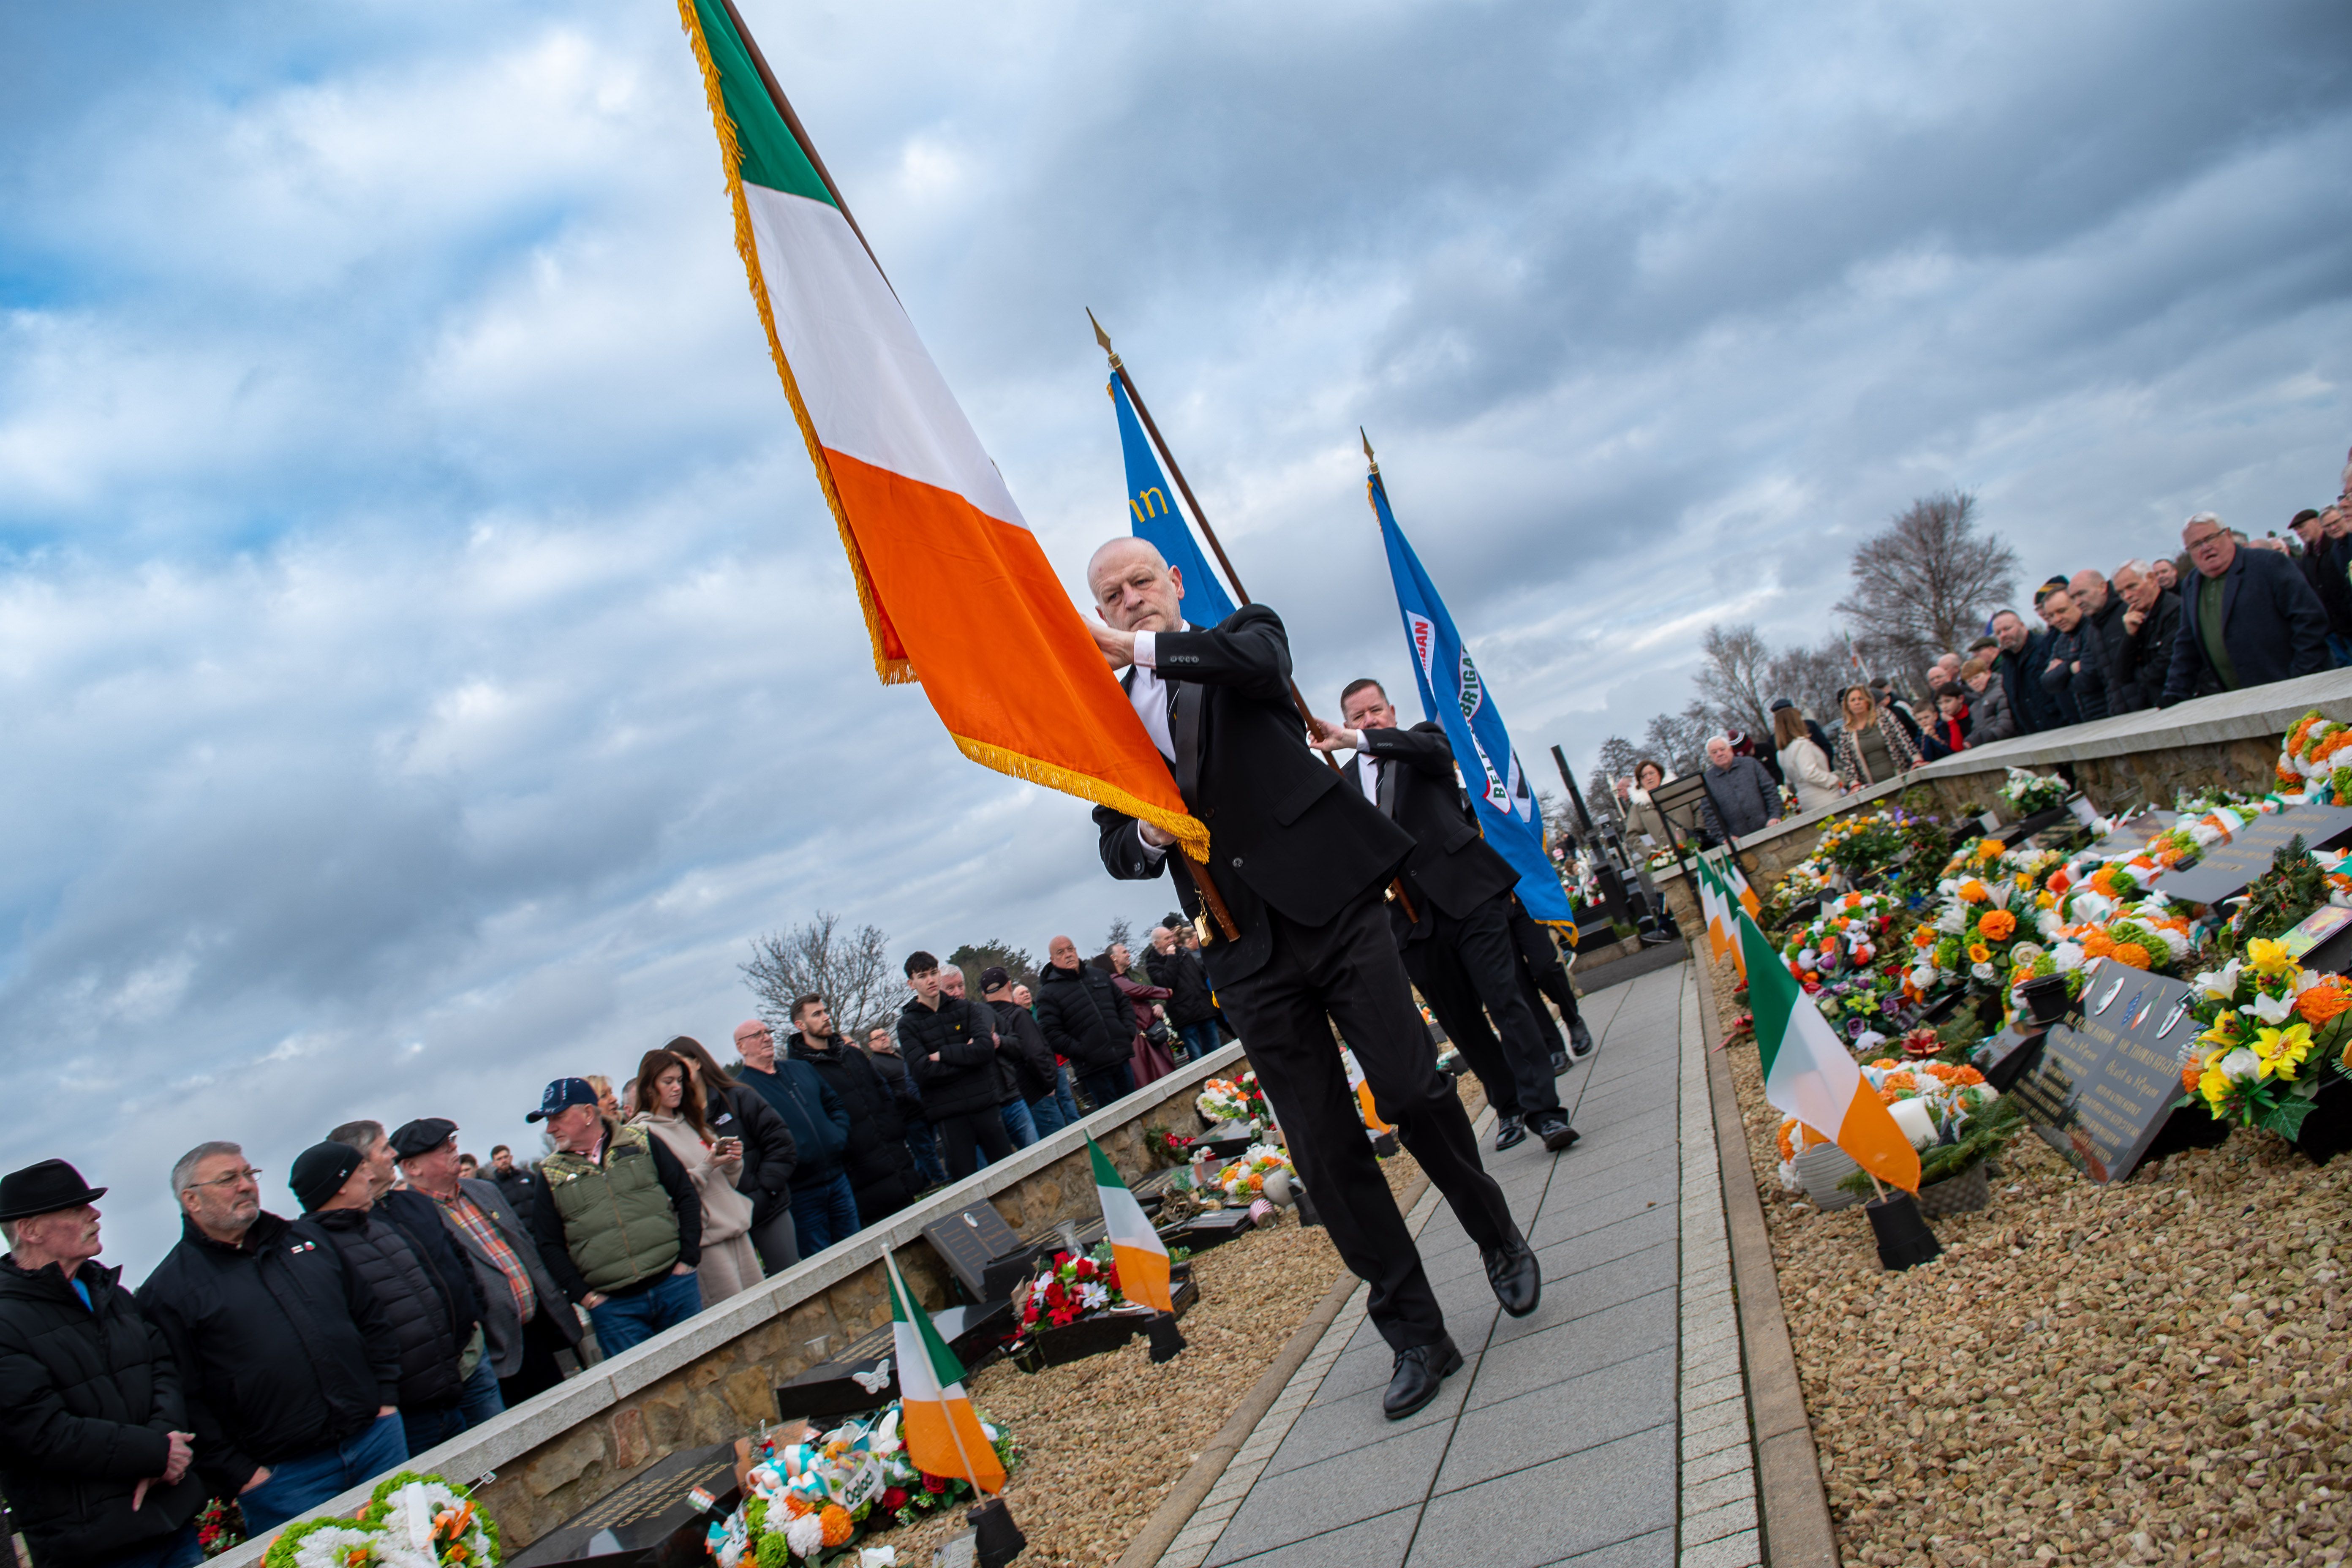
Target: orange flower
(1923,937)
(2099,944)
(1997,925)
(1886,1096)
(1885,1062)
(1788,1146)
(796,1505)
(1972,891)
(2131,954)
(1979,953)
(1903,1080)
(2323,1002)
(1967,1077)
(838,1526)
(2291,780)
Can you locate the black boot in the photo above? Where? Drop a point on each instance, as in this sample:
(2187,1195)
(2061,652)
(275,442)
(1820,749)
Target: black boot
(1419,1371)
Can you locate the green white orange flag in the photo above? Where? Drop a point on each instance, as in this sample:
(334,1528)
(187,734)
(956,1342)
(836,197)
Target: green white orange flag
(1135,1246)
(1747,899)
(1711,908)
(1808,1074)
(956,592)
(941,1431)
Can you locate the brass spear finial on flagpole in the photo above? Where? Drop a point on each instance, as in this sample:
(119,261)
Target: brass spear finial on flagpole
(1375,462)
(1103,338)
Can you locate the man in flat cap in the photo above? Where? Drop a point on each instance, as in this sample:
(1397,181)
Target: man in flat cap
(95,1446)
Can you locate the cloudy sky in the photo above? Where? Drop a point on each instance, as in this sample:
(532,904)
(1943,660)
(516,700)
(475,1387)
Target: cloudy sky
(425,657)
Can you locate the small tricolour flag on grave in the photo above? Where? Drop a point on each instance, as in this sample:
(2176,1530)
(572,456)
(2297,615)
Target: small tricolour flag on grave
(1710,909)
(1747,899)
(1808,1074)
(938,1424)
(1726,917)
(1135,1246)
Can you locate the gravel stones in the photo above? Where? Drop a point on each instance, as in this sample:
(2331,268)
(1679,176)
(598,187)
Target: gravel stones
(2153,1370)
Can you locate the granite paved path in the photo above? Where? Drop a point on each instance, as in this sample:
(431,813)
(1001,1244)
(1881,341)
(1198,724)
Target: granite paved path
(1608,1429)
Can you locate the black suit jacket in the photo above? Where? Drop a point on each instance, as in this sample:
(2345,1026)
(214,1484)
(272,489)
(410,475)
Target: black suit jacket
(1284,832)
(2271,623)
(1452,867)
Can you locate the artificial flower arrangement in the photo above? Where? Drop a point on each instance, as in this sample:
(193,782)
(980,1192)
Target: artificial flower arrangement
(1850,929)
(1234,1099)
(1794,1139)
(2316,760)
(2030,794)
(2299,882)
(1245,1177)
(215,1533)
(411,1521)
(2272,1027)
(805,1500)
(1974,932)
(2204,821)
(1955,1118)
(1071,1286)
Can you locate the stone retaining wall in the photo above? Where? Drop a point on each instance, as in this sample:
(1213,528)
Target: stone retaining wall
(714,1377)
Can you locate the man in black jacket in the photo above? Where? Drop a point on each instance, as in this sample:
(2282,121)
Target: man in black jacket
(2019,671)
(526,1322)
(2139,655)
(874,1158)
(436,1399)
(289,1365)
(2073,666)
(1191,1009)
(1021,1047)
(1088,1022)
(1460,888)
(519,1182)
(2247,617)
(950,1046)
(2324,561)
(95,1452)
(1301,861)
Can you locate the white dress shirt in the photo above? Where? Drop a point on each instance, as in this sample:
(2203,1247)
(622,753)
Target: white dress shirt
(1149,694)
(1368,772)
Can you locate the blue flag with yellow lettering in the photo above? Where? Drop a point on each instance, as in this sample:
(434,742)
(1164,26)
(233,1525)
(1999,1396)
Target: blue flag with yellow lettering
(1155,516)
(1452,693)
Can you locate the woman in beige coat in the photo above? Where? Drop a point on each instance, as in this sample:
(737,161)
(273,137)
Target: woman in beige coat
(668,1104)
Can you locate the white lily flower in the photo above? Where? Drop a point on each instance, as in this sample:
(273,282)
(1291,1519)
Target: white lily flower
(2272,1009)
(2242,1063)
(2221,983)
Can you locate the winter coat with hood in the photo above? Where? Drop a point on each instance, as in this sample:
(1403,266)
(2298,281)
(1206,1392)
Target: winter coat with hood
(1085,1018)
(88,1398)
(417,1302)
(282,1351)
(1990,719)
(961,1034)
(875,1157)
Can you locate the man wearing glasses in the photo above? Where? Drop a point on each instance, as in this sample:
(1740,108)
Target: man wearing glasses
(2247,617)
(280,1432)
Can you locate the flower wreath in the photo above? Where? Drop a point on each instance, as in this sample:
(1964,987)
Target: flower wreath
(411,1521)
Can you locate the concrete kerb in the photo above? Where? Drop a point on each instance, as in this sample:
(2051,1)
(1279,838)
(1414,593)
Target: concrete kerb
(1795,1508)
(474,1455)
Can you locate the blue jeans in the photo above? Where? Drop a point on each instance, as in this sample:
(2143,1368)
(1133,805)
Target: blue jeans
(1116,1081)
(1019,1125)
(182,1550)
(1064,1100)
(2339,648)
(824,1211)
(1199,1039)
(299,1485)
(924,1145)
(1045,1114)
(632,1319)
(476,1403)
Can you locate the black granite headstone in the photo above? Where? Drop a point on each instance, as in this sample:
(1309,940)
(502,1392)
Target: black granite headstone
(864,1376)
(2224,867)
(648,1521)
(984,1254)
(2106,1080)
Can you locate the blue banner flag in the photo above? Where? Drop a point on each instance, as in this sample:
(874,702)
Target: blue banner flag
(1152,511)
(1452,693)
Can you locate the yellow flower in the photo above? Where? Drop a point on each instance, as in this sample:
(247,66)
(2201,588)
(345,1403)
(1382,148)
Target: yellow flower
(2268,957)
(1978,953)
(1990,850)
(2224,1032)
(2281,1050)
(2215,1087)
(2047,900)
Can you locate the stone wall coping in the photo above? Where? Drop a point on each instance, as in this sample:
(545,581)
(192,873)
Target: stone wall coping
(2227,716)
(482,1451)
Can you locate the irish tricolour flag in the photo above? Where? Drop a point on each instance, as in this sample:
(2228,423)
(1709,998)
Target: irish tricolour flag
(942,1432)
(1722,918)
(1135,1246)
(956,592)
(1808,1073)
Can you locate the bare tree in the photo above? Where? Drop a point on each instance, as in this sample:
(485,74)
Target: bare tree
(1732,680)
(1924,584)
(1615,762)
(1121,935)
(1810,677)
(1679,740)
(851,970)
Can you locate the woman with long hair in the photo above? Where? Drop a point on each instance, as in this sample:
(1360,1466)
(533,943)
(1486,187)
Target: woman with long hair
(1871,743)
(1802,763)
(668,1103)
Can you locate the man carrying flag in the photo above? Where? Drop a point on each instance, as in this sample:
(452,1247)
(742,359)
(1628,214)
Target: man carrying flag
(1302,861)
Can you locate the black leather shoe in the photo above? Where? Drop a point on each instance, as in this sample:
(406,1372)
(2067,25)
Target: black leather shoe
(1559,1063)
(1509,1133)
(1553,1129)
(1513,1272)
(1419,1371)
(1580,1040)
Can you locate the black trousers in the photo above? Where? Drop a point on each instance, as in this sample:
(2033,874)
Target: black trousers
(1348,972)
(1541,950)
(1480,943)
(540,1340)
(1438,974)
(958,1135)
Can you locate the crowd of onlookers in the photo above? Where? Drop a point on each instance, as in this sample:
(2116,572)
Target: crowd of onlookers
(417,1292)
(2230,612)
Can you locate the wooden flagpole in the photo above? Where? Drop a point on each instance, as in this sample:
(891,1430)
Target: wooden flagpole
(1176,472)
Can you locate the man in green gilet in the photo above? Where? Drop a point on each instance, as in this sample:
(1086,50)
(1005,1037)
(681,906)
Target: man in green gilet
(621,1229)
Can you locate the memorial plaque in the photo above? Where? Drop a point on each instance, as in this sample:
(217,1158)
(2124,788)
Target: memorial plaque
(974,1243)
(647,1520)
(2226,867)
(863,1377)
(2133,834)
(2106,1081)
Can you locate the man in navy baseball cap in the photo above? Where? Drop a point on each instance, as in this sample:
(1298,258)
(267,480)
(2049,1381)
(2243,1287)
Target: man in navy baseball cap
(563,1093)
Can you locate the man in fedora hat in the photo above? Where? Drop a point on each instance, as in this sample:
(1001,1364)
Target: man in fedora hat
(95,1445)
